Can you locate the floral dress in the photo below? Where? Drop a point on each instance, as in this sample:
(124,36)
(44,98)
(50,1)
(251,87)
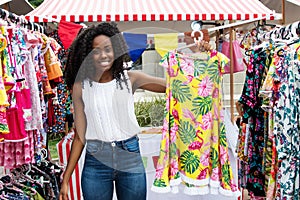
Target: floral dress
(251,150)
(194,149)
(268,92)
(287,124)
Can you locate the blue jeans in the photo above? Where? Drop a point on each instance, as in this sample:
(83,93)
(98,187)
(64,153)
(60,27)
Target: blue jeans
(109,162)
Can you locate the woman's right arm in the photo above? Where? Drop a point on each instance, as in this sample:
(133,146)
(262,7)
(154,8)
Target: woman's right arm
(79,138)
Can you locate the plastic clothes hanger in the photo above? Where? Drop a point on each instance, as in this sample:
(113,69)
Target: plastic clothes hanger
(6,17)
(197,40)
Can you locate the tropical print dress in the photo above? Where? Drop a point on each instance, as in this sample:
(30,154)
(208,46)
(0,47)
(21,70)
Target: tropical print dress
(269,157)
(287,124)
(194,149)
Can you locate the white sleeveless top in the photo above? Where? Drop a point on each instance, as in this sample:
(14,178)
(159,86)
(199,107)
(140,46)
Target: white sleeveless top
(109,111)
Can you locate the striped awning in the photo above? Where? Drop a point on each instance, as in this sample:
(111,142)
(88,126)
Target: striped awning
(148,10)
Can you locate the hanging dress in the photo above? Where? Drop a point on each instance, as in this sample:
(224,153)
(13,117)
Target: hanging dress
(251,151)
(3,95)
(194,150)
(287,123)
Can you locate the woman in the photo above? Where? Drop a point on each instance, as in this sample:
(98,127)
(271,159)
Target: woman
(102,93)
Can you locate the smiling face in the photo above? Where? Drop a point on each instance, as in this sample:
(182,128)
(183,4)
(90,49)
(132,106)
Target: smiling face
(103,55)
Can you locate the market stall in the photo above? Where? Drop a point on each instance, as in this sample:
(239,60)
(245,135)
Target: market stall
(152,17)
(168,17)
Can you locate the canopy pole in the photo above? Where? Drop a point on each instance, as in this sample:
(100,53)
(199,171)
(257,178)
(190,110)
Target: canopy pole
(231,38)
(283,12)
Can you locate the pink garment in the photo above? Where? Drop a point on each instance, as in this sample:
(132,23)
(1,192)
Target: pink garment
(31,71)
(13,154)
(26,99)
(238,64)
(26,104)
(15,121)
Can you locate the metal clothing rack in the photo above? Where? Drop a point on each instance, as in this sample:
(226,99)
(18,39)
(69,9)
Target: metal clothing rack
(15,19)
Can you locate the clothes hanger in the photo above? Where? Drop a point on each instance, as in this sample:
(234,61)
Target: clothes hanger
(263,24)
(11,190)
(42,29)
(197,40)
(285,36)
(27,170)
(6,17)
(7,183)
(296,35)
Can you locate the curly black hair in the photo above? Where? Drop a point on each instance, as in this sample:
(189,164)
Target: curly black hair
(79,65)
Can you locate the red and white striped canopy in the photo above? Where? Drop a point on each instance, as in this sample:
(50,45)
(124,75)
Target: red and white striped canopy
(148,10)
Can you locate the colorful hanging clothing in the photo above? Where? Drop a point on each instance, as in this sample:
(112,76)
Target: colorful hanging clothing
(13,154)
(287,123)
(59,103)
(194,149)
(268,92)
(31,67)
(254,117)
(15,119)
(3,95)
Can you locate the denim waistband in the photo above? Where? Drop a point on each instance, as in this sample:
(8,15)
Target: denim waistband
(114,143)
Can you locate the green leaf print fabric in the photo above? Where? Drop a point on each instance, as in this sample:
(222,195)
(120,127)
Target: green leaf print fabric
(194,149)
